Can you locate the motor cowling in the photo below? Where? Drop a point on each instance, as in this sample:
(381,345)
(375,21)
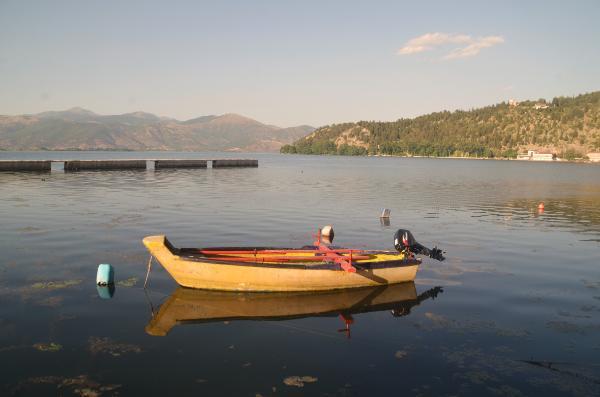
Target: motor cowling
(404,241)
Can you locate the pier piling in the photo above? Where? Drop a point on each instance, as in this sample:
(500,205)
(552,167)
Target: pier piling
(180,164)
(234,163)
(76,165)
(25,165)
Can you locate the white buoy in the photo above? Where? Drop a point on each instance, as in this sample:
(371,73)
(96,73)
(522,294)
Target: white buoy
(105,275)
(385,213)
(327,234)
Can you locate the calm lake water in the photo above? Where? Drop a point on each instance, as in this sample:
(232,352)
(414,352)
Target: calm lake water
(518,314)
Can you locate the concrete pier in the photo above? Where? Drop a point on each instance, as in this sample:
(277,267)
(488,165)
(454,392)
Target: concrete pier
(234,163)
(180,164)
(25,165)
(82,165)
(76,165)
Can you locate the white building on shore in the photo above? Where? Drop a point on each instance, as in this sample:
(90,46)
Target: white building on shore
(532,155)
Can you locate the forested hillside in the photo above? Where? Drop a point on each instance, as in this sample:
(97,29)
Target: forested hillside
(568,126)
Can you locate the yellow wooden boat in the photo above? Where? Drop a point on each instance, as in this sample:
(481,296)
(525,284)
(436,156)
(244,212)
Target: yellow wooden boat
(312,268)
(188,306)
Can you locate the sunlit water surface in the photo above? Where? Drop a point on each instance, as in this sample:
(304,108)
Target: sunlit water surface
(519,313)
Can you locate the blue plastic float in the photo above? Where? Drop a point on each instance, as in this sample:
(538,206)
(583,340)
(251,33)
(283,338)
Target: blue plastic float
(106,274)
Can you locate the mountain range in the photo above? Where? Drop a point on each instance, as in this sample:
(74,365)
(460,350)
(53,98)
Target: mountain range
(81,129)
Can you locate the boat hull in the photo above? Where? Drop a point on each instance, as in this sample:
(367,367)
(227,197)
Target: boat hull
(206,274)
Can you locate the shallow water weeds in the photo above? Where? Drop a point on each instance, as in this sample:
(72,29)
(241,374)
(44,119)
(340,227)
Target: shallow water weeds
(299,381)
(48,347)
(97,345)
(54,285)
(130,282)
(81,385)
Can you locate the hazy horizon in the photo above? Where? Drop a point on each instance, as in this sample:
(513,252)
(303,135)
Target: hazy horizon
(292,64)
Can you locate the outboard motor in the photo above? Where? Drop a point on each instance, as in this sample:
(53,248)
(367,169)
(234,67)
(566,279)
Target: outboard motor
(405,241)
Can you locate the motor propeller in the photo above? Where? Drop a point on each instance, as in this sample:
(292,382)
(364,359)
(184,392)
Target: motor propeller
(405,241)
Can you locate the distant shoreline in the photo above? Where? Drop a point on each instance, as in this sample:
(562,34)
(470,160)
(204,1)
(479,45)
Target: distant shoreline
(579,161)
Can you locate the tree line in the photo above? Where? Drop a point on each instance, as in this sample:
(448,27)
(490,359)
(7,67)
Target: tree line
(569,125)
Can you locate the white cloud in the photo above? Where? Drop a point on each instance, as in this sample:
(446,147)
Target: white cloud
(431,40)
(474,48)
(469,46)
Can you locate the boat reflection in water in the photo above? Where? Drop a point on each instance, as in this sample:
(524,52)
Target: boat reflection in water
(198,306)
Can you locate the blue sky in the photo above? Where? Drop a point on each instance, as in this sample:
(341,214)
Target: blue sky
(290,63)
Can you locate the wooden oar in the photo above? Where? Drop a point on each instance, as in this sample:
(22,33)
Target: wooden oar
(277,251)
(319,258)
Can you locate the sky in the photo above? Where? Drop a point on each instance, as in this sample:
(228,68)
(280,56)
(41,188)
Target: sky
(291,63)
